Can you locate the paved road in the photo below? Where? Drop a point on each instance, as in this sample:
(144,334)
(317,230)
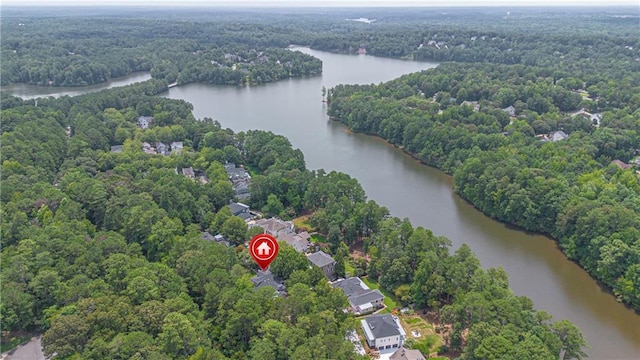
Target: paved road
(29,351)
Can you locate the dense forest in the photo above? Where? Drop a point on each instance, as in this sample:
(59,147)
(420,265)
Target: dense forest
(493,126)
(236,48)
(102,250)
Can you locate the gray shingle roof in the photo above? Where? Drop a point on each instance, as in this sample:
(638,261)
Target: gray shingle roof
(382,326)
(266,278)
(320,259)
(351,286)
(407,354)
(366,297)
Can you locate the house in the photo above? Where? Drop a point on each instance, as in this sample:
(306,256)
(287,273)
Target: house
(274,226)
(383,331)
(116,148)
(362,299)
(266,278)
(240,210)
(300,241)
(206,236)
(221,240)
(511,111)
(176,147)
(188,172)
(145,121)
(218,238)
(148,149)
(324,262)
(407,354)
(473,104)
(558,135)
(240,180)
(242,189)
(621,164)
(162,149)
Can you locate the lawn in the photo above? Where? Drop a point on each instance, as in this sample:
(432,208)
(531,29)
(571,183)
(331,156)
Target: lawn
(429,342)
(302,223)
(318,238)
(348,268)
(390,300)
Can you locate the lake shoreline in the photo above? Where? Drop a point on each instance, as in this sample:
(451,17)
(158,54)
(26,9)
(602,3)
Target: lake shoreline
(509,225)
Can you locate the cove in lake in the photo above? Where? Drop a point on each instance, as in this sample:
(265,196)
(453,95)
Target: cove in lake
(536,267)
(28,91)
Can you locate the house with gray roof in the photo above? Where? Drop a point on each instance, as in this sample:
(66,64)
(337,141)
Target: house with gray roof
(240,210)
(266,278)
(407,354)
(275,227)
(362,299)
(300,241)
(558,135)
(383,331)
(324,262)
(116,148)
(176,147)
(144,121)
(511,111)
(188,172)
(162,148)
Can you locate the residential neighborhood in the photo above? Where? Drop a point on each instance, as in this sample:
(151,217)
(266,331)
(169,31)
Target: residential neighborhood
(240,180)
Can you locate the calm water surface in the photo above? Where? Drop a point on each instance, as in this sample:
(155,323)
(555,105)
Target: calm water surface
(28,91)
(536,267)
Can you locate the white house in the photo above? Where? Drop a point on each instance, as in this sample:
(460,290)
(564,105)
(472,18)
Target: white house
(383,331)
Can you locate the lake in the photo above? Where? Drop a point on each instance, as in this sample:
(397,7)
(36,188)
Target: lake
(536,267)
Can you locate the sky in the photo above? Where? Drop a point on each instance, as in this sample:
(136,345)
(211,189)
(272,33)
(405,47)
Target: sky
(316,3)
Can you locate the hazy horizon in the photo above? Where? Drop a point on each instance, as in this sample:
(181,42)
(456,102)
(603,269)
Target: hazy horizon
(330,3)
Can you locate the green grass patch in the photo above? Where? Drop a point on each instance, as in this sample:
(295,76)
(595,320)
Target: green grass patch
(413,321)
(348,268)
(389,299)
(318,238)
(302,223)
(13,342)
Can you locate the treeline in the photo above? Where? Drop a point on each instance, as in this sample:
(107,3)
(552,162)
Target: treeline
(568,189)
(71,52)
(102,250)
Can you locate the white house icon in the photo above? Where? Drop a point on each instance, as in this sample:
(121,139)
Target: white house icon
(264,249)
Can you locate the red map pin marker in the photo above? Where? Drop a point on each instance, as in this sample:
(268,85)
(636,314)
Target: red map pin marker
(263,249)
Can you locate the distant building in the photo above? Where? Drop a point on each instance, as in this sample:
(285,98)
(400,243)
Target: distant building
(162,149)
(511,111)
(116,148)
(324,262)
(188,172)
(473,104)
(558,135)
(176,147)
(621,164)
(145,121)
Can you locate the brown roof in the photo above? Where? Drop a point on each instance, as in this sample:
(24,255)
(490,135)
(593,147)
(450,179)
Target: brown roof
(621,164)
